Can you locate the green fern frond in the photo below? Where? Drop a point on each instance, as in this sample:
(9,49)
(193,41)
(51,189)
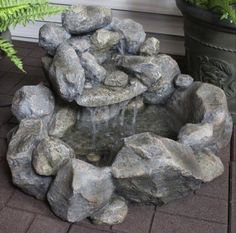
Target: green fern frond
(10,52)
(23,14)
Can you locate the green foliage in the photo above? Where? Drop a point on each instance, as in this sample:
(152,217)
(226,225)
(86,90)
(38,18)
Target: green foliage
(13,12)
(10,52)
(224,7)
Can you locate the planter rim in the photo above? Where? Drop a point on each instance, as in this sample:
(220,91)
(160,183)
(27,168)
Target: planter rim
(204,16)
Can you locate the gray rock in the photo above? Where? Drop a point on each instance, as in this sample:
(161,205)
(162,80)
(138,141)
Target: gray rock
(210,165)
(102,56)
(50,155)
(113,213)
(104,39)
(46,64)
(79,190)
(51,36)
(160,92)
(152,169)
(66,73)
(117,79)
(79,44)
(62,120)
(19,157)
(101,114)
(183,81)
(103,96)
(196,135)
(93,71)
(136,103)
(132,31)
(33,102)
(83,19)
(211,107)
(150,47)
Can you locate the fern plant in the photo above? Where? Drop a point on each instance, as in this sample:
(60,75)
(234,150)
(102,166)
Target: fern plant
(226,8)
(13,12)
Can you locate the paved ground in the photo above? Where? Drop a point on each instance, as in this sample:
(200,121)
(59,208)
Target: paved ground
(209,210)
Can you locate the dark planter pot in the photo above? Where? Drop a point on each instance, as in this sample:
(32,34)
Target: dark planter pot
(210,49)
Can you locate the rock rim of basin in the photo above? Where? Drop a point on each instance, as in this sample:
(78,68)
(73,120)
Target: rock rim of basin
(103,95)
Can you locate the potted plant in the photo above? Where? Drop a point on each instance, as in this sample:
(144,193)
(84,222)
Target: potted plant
(210,43)
(13,12)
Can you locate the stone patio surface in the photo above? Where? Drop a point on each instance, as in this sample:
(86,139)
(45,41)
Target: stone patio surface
(212,209)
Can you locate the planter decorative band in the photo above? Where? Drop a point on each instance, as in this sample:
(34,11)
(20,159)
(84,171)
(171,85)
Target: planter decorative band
(210,49)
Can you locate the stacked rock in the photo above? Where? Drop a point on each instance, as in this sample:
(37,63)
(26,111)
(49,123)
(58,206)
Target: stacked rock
(94,61)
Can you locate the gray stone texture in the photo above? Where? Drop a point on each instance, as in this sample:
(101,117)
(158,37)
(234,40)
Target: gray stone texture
(117,79)
(63,119)
(132,32)
(103,96)
(83,19)
(79,190)
(66,73)
(51,36)
(183,81)
(79,44)
(33,102)
(94,72)
(104,39)
(50,155)
(152,169)
(113,213)
(150,47)
(19,157)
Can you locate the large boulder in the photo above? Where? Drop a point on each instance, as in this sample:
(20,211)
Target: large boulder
(51,36)
(132,32)
(50,155)
(83,19)
(153,169)
(66,73)
(19,157)
(33,102)
(79,190)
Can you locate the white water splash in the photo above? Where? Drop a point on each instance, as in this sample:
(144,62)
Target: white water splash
(135,113)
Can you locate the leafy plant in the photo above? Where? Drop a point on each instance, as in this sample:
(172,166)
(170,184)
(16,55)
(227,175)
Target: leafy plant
(226,8)
(13,12)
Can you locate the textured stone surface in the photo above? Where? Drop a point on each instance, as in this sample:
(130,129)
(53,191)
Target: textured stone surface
(79,190)
(117,79)
(19,157)
(133,33)
(79,44)
(162,90)
(50,155)
(210,165)
(51,36)
(113,213)
(104,39)
(46,63)
(150,47)
(62,120)
(183,81)
(33,102)
(83,19)
(156,170)
(66,73)
(211,107)
(197,136)
(94,72)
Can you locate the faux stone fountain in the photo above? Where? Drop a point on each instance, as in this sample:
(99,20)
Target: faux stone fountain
(119,123)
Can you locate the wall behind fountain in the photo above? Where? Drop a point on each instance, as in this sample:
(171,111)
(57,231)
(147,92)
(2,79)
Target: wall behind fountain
(159,17)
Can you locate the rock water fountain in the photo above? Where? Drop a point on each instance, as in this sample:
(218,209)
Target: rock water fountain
(118,123)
